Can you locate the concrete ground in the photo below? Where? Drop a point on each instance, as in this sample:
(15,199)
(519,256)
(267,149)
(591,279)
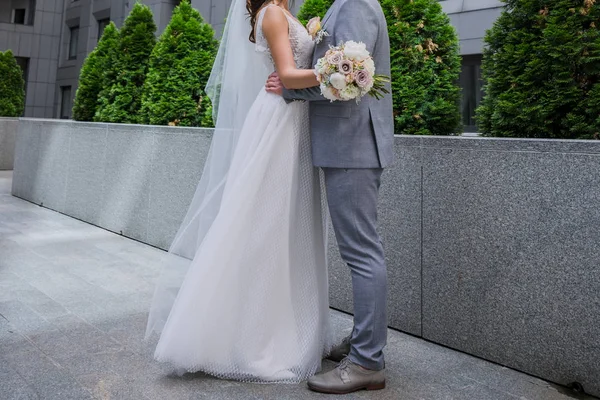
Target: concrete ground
(73,303)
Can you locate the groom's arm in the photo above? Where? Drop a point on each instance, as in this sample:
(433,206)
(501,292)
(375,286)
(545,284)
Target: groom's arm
(308,94)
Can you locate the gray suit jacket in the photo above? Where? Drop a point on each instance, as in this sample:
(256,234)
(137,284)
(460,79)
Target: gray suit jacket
(346,134)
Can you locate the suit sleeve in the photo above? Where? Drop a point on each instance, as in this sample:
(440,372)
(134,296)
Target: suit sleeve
(309,94)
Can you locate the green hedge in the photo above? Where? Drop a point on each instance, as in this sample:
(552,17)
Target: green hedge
(313,8)
(180,66)
(12,86)
(426,67)
(542,71)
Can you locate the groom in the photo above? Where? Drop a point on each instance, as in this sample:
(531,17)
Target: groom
(352,143)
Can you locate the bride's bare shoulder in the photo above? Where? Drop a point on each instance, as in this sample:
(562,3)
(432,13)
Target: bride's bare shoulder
(274,18)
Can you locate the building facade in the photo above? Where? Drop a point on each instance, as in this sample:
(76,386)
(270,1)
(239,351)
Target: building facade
(51,39)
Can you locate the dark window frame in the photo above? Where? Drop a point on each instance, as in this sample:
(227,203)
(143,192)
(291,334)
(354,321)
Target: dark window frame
(102,24)
(19,16)
(23,63)
(471,84)
(66,102)
(21,13)
(73,42)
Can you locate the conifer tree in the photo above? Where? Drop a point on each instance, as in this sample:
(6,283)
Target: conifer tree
(92,77)
(542,71)
(425,68)
(122,100)
(12,86)
(180,66)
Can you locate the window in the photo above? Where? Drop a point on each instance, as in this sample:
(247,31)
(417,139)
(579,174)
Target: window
(65,102)
(73,42)
(103,23)
(19,16)
(24,64)
(19,12)
(472,90)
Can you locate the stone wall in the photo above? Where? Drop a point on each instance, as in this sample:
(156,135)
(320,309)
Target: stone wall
(130,179)
(8,132)
(491,243)
(510,255)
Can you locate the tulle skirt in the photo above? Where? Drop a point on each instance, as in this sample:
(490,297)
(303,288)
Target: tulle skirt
(253,304)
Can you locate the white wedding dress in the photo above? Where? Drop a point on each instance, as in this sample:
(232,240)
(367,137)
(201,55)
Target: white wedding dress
(254,302)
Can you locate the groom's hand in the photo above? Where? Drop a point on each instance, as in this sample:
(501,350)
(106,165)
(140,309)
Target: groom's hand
(274,84)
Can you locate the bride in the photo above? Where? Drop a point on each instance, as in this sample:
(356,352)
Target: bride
(244,292)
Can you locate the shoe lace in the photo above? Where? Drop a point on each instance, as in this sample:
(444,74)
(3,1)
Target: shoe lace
(344,369)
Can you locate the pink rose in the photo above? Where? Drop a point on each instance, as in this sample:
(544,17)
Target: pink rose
(363,79)
(334,58)
(346,67)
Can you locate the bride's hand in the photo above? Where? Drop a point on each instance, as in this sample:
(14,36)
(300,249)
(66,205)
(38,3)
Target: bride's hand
(274,84)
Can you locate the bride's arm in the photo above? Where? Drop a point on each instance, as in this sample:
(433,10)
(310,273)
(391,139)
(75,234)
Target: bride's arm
(275,27)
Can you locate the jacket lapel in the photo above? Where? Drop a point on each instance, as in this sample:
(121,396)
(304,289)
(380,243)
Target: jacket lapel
(329,13)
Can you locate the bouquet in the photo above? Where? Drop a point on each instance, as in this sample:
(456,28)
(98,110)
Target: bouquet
(347,72)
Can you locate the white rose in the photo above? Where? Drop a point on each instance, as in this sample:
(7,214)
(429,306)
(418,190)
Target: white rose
(356,51)
(323,67)
(327,92)
(320,67)
(351,92)
(369,65)
(338,81)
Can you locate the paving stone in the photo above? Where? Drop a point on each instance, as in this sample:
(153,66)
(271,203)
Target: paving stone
(110,386)
(23,318)
(12,385)
(46,378)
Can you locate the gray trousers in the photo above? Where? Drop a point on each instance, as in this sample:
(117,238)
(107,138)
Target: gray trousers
(352,195)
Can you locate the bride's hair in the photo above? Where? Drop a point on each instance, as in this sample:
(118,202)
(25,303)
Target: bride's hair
(254,7)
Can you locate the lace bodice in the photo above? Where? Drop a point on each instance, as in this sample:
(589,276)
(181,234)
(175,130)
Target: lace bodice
(301,41)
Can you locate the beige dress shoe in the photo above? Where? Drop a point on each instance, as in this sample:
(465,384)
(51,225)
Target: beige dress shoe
(341,351)
(348,377)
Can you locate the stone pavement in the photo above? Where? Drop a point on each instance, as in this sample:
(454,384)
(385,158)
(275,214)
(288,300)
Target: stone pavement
(73,302)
